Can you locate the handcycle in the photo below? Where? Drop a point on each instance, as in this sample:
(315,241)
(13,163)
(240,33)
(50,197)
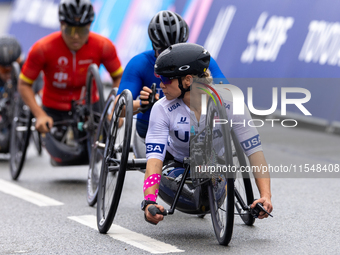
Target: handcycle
(8,103)
(22,121)
(81,124)
(6,109)
(218,194)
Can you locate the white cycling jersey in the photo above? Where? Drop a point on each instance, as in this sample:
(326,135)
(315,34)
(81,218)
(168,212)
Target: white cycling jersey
(172,122)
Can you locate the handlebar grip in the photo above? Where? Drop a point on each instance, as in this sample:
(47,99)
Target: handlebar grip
(257,209)
(262,209)
(153,94)
(151,99)
(154,210)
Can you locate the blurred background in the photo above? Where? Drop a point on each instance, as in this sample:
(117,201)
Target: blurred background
(260,44)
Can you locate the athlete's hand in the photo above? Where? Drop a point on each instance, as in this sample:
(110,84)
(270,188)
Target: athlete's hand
(154,219)
(267,204)
(144,95)
(41,123)
(146,98)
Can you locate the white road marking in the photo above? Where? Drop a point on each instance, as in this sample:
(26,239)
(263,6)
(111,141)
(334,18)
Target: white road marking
(127,236)
(28,195)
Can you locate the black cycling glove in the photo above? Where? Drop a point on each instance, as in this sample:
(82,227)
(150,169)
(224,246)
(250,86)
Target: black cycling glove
(145,107)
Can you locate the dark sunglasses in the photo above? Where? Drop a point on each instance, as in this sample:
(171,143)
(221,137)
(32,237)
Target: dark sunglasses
(166,80)
(5,69)
(72,30)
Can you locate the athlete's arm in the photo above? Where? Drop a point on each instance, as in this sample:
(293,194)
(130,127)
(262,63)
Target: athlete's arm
(28,96)
(262,180)
(112,62)
(132,79)
(250,142)
(153,166)
(216,72)
(116,80)
(156,140)
(30,71)
(143,100)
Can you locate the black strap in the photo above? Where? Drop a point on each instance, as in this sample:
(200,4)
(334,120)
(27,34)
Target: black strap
(183,91)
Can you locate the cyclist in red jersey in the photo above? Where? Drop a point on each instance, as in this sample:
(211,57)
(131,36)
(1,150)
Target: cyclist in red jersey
(64,57)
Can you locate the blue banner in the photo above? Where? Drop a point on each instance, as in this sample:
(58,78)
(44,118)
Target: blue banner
(273,38)
(249,39)
(32,20)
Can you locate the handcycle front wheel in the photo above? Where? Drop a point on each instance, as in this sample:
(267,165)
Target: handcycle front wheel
(97,152)
(114,163)
(20,133)
(93,109)
(242,183)
(221,187)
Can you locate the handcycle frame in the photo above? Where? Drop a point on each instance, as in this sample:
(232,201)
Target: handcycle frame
(115,168)
(7,105)
(23,119)
(20,114)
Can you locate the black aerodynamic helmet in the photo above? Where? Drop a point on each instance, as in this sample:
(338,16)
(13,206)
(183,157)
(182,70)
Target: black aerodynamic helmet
(182,59)
(167,28)
(10,50)
(76,12)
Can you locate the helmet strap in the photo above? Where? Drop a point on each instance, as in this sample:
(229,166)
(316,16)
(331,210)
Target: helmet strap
(183,90)
(154,49)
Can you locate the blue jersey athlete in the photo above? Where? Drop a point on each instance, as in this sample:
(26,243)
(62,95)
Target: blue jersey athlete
(166,28)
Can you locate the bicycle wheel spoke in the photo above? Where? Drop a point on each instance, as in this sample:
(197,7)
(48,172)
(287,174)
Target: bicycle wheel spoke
(242,184)
(115,158)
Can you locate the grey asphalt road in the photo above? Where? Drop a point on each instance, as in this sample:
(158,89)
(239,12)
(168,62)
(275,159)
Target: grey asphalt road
(305,209)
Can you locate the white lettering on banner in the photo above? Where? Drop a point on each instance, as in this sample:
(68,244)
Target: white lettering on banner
(216,36)
(134,42)
(322,43)
(32,14)
(265,41)
(50,16)
(19,10)
(41,12)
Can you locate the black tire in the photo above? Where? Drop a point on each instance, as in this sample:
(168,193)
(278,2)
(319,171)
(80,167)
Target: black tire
(94,110)
(20,133)
(97,153)
(242,182)
(116,147)
(221,186)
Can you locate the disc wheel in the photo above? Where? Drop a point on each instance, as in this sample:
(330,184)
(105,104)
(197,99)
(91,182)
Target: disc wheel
(20,133)
(114,162)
